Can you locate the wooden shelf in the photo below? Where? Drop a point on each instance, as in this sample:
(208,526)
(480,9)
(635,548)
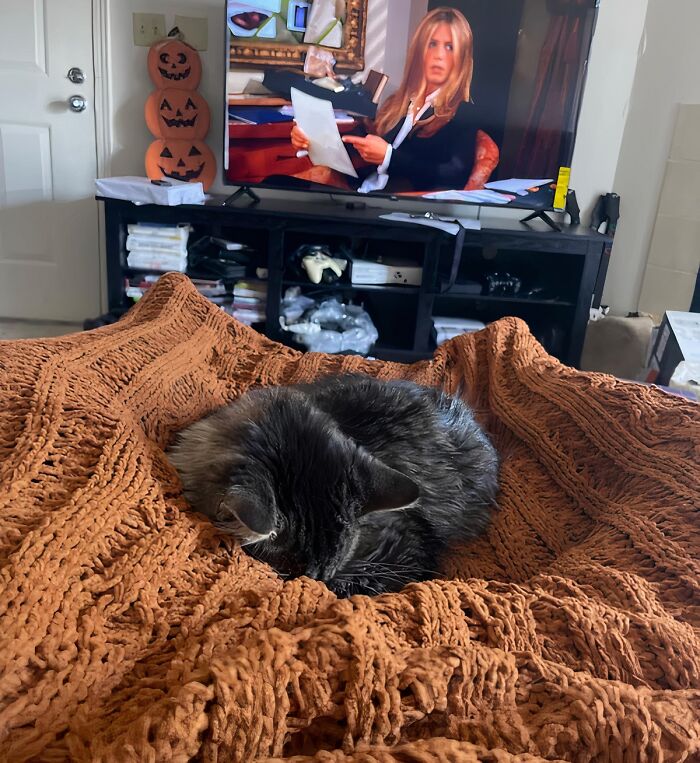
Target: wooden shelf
(397,355)
(505,300)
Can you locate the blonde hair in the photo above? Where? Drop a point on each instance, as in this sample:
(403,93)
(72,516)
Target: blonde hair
(456,90)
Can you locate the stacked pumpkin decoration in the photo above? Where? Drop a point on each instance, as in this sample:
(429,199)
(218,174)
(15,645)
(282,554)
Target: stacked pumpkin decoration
(177,115)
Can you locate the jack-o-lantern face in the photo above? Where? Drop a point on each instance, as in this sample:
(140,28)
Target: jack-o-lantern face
(181,114)
(172,63)
(188,160)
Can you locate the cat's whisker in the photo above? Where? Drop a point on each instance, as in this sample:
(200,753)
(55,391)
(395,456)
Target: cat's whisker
(418,570)
(372,589)
(407,567)
(381,578)
(392,565)
(378,566)
(360,576)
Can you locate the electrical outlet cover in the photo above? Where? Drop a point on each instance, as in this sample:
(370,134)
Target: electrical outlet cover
(148,28)
(195,30)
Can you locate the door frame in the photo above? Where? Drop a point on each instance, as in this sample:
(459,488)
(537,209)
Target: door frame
(101,54)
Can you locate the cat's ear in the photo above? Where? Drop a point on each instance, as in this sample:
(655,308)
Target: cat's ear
(387,489)
(250,519)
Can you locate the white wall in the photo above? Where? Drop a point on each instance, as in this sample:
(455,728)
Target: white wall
(606,99)
(129,84)
(674,251)
(602,123)
(391,28)
(666,76)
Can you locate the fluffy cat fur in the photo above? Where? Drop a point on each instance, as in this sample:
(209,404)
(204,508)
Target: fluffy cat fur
(360,483)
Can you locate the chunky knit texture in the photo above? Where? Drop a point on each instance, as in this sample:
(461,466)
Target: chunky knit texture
(131,631)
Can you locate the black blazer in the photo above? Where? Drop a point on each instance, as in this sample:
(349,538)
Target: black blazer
(442,161)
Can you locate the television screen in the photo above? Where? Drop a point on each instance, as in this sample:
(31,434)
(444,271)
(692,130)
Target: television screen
(471,101)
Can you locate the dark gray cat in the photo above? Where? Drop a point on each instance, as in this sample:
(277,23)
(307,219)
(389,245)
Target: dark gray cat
(359,483)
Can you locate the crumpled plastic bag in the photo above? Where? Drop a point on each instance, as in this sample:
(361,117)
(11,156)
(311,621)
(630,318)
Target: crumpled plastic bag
(330,326)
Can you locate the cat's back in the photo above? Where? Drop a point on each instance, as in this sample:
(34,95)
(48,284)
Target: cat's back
(375,412)
(430,436)
(396,414)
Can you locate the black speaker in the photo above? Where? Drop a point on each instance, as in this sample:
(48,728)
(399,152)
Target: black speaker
(607,210)
(572,208)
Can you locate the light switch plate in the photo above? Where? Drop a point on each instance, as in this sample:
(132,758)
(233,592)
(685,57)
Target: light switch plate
(148,28)
(195,30)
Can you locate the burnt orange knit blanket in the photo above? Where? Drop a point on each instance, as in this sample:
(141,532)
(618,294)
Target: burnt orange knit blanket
(131,631)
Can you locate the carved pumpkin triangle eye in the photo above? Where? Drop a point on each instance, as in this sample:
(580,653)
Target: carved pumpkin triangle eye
(194,152)
(166,105)
(165,153)
(190,104)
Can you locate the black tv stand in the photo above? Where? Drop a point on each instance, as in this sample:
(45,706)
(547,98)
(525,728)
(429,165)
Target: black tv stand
(561,271)
(244,190)
(542,215)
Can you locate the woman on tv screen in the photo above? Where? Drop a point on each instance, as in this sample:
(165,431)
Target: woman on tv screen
(425,135)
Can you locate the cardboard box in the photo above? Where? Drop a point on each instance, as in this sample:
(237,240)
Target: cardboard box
(393,271)
(678,339)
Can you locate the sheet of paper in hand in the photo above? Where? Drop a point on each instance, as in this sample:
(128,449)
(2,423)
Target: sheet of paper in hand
(316,118)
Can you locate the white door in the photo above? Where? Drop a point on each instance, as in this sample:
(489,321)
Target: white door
(49,245)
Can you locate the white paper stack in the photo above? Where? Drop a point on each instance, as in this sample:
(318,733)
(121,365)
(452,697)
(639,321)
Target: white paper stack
(140,190)
(157,247)
(518,186)
(448,223)
(448,328)
(249,302)
(481,196)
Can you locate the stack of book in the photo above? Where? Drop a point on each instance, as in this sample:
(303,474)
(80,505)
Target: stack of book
(137,286)
(153,246)
(448,328)
(249,302)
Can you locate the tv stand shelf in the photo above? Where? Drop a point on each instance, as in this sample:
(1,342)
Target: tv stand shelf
(561,270)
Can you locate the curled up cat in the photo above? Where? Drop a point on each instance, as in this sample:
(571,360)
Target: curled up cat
(362,484)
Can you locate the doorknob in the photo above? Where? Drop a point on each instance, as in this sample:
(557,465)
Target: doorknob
(77,103)
(76,76)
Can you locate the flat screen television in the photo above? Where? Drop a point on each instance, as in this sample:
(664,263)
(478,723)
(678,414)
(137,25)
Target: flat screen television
(472,101)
